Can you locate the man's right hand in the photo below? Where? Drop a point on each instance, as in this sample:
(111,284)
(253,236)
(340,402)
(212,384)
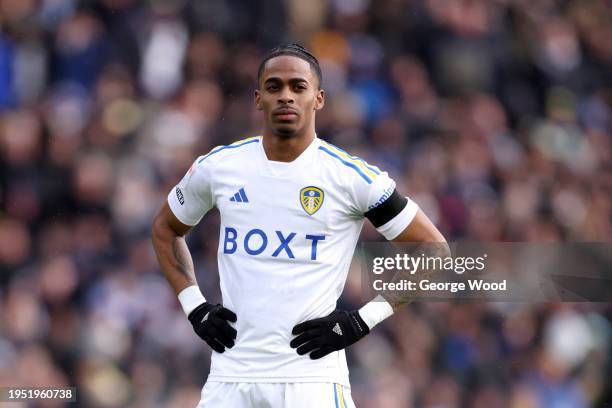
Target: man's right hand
(211,323)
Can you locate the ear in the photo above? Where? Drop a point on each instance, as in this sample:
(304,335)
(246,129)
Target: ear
(319,100)
(258,100)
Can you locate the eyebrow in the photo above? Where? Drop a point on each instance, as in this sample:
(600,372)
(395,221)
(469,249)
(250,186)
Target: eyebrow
(291,80)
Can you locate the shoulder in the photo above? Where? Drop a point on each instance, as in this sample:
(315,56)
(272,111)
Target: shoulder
(237,150)
(346,164)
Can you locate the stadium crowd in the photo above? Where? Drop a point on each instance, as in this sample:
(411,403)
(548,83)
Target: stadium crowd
(495,116)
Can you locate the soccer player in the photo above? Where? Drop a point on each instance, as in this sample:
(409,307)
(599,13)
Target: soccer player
(292,207)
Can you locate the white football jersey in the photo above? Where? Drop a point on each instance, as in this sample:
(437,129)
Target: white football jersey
(287,237)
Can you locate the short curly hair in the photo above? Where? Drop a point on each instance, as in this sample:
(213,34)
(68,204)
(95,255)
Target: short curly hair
(295,50)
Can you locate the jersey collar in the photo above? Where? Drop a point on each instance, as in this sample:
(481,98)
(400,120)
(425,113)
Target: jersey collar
(287,169)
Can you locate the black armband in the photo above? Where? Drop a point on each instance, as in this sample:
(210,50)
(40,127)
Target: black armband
(387,210)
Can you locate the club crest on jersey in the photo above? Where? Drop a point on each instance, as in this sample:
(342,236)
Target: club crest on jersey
(311,199)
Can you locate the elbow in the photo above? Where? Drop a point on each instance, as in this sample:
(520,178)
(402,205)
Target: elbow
(445,249)
(437,237)
(438,241)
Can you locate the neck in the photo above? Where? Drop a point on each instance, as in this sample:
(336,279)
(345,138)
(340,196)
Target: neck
(288,149)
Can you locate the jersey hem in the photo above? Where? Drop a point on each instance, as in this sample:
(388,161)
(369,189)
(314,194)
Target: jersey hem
(277,379)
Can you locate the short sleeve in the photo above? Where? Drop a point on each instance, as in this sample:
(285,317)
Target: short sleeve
(192,197)
(371,195)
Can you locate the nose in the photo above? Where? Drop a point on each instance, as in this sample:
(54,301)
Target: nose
(285,96)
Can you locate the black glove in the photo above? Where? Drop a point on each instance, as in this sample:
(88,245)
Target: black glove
(210,322)
(334,332)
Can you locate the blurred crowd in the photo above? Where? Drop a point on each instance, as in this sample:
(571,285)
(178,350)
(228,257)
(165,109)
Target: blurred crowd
(495,116)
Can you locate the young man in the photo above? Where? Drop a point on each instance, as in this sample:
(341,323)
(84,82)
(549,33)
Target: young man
(292,207)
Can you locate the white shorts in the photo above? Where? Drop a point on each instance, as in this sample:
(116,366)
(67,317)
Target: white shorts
(275,395)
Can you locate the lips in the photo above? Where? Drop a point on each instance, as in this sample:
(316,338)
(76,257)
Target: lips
(284,111)
(285,114)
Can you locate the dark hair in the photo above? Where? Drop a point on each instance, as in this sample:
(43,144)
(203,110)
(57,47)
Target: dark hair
(295,50)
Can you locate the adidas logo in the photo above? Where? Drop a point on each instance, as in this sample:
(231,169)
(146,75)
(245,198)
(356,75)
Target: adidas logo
(205,317)
(240,196)
(337,329)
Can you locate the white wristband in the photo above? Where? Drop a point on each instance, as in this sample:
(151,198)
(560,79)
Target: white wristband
(374,312)
(190,298)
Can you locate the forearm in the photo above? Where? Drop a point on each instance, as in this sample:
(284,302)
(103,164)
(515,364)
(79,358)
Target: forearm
(431,243)
(210,322)
(174,257)
(427,241)
(385,304)
(439,249)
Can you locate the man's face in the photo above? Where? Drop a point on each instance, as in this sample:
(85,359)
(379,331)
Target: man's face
(288,95)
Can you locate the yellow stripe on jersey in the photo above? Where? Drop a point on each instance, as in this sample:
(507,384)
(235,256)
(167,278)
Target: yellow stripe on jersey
(216,148)
(237,143)
(371,171)
(245,140)
(339,387)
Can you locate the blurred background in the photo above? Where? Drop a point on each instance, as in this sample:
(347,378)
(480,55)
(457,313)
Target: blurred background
(495,116)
